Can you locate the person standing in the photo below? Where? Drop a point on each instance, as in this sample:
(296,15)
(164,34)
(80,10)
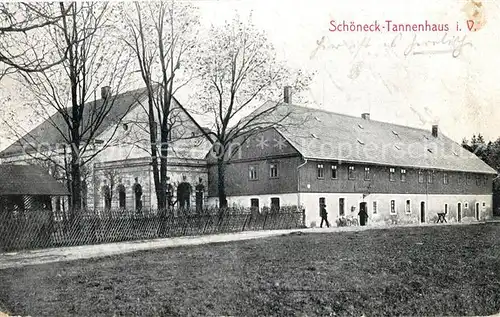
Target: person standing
(324,216)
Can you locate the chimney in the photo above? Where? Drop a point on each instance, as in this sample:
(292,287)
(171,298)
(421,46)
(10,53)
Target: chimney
(435,130)
(365,116)
(105,92)
(288,94)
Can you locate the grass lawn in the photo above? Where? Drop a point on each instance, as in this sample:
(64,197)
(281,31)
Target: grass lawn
(448,270)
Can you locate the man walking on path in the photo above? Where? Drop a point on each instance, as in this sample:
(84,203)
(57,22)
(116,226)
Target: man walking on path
(324,216)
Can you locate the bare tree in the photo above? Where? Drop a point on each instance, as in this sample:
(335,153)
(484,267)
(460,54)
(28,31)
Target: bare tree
(66,92)
(23,20)
(162,35)
(240,70)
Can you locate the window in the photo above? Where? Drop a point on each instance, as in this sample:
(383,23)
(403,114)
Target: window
(275,204)
(273,170)
(459,178)
(445,208)
(485,180)
(466,205)
(445,178)
(334,171)
(393,206)
(351,172)
(254,205)
(252,173)
(430,177)
(367,174)
(468,179)
(341,206)
(321,171)
(478,180)
(403,175)
(374,207)
(408,206)
(420,176)
(391,174)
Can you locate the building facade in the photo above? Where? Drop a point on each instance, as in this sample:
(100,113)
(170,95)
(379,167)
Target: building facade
(310,157)
(119,175)
(394,174)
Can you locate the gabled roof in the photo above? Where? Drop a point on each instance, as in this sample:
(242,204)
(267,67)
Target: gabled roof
(46,133)
(28,180)
(323,135)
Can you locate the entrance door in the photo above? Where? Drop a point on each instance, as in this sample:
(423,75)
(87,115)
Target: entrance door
(363,214)
(422,212)
(459,212)
(477,211)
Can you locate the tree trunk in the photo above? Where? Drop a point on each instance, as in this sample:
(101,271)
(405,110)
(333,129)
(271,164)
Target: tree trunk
(154,152)
(162,198)
(221,185)
(76,187)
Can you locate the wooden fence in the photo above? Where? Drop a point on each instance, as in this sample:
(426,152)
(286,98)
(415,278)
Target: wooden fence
(39,229)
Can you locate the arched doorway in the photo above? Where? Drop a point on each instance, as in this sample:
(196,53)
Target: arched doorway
(200,189)
(422,212)
(184,195)
(459,212)
(170,195)
(122,196)
(138,195)
(106,193)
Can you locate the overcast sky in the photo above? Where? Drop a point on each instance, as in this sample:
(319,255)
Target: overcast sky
(420,88)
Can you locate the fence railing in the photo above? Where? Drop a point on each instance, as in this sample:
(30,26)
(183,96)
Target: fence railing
(39,229)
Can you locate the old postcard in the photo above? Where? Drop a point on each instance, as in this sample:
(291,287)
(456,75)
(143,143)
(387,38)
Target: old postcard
(249,158)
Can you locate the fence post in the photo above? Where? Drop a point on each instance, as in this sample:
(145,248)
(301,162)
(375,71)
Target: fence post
(244,223)
(303,224)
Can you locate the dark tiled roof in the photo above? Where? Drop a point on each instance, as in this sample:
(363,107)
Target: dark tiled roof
(28,180)
(323,135)
(47,134)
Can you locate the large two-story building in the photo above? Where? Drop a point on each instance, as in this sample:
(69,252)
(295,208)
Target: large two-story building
(119,156)
(309,157)
(393,173)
